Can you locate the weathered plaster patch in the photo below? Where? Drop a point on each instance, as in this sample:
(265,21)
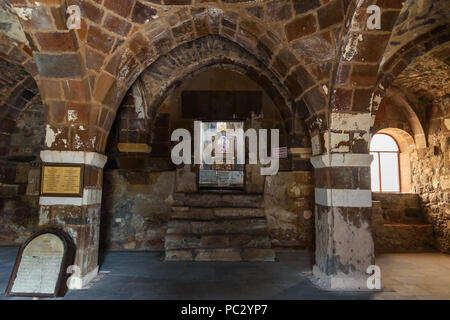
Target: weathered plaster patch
(375,101)
(78,143)
(24,13)
(350,122)
(339,142)
(92,140)
(138,103)
(72,115)
(351,48)
(50,135)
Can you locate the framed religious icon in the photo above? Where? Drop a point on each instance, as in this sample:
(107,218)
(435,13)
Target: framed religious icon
(62,180)
(219,138)
(224,148)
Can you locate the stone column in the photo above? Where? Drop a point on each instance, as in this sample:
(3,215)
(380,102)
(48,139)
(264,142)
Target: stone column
(78,216)
(344,244)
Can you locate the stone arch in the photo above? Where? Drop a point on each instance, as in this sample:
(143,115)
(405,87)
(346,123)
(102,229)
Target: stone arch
(413,126)
(157,84)
(252,67)
(138,53)
(433,42)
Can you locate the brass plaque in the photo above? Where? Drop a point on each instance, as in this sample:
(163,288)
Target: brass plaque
(61,180)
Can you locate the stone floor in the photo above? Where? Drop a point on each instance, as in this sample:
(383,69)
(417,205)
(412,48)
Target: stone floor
(144,275)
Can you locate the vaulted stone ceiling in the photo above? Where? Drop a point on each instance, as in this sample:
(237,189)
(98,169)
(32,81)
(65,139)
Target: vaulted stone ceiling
(416,18)
(10,76)
(9,23)
(426,83)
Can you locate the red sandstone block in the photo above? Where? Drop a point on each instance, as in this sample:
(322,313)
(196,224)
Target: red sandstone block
(40,19)
(364,75)
(122,64)
(361,99)
(100,40)
(91,12)
(330,14)
(372,48)
(58,111)
(56,41)
(78,112)
(76,90)
(94,60)
(300,27)
(122,7)
(116,25)
(341,99)
(51,89)
(278,10)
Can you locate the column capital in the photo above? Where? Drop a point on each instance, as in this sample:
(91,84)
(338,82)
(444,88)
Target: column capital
(77,157)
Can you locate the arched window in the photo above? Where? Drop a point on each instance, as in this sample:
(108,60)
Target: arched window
(385,169)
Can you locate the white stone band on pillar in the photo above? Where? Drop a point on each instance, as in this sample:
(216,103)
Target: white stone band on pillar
(77,157)
(90,197)
(342,160)
(343,198)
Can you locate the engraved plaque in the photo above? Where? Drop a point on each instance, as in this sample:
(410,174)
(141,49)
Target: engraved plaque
(40,266)
(61,180)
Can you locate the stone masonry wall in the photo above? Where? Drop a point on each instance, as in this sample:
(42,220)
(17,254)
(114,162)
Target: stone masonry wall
(430,166)
(20,176)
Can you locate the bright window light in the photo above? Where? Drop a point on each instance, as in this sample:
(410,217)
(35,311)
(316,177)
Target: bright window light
(385,171)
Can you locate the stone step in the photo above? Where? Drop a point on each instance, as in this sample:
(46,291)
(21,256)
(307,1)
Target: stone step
(221,254)
(199,213)
(218,200)
(400,207)
(404,237)
(182,241)
(213,227)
